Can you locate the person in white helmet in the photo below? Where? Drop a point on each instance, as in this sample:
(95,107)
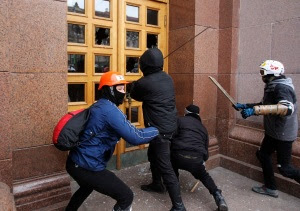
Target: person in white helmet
(279,107)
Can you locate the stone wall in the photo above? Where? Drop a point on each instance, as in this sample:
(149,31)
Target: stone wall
(33,86)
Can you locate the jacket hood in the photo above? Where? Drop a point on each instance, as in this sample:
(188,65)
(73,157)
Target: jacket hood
(285,81)
(151,61)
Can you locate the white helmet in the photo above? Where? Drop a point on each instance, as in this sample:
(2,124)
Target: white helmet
(271,67)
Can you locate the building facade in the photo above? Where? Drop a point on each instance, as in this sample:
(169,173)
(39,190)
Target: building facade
(226,39)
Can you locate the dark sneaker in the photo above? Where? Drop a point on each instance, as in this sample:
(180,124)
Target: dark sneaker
(220,201)
(178,207)
(158,188)
(265,191)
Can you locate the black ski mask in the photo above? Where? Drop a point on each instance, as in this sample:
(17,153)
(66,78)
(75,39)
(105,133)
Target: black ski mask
(112,94)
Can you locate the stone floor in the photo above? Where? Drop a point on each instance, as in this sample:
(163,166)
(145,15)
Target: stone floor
(236,190)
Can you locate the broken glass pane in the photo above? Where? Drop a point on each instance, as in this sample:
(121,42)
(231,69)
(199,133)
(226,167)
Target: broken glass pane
(76,33)
(102,36)
(132,64)
(76,92)
(132,13)
(132,39)
(102,8)
(76,6)
(75,63)
(152,40)
(102,64)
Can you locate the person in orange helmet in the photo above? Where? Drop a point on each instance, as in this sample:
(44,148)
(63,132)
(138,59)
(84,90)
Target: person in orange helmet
(106,125)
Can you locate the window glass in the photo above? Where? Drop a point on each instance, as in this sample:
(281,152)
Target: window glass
(132,13)
(102,64)
(97,93)
(76,33)
(76,6)
(102,36)
(134,114)
(102,8)
(76,92)
(152,40)
(132,39)
(132,64)
(75,63)
(152,17)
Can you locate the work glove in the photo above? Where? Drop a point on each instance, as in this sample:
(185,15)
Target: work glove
(247,112)
(240,106)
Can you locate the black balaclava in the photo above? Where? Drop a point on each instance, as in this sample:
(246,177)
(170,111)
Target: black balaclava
(112,94)
(151,61)
(192,110)
(268,78)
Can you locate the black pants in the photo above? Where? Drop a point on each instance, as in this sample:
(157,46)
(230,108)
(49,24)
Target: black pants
(161,167)
(284,152)
(104,182)
(196,167)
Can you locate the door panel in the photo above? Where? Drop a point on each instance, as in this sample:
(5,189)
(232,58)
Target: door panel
(111,35)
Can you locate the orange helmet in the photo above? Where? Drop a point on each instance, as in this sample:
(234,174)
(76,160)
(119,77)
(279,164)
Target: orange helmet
(111,79)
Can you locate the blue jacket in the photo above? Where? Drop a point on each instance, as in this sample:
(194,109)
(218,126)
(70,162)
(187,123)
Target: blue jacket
(106,125)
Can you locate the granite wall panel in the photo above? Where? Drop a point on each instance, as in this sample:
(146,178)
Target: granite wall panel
(182,14)
(38,101)
(207,13)
(225,13)
(206,51)
(5,117)
(225,46)
(37,161)
(181,50)
(6,171)
(205,95)
(4,35)
(255,47)
(285,44)
(38,36)
(184,89)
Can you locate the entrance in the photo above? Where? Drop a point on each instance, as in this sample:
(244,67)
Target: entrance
(111,35)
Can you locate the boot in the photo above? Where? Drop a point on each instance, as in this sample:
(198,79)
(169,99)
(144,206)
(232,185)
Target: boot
(220,201)
(178,207)
(118,208)
(153,187)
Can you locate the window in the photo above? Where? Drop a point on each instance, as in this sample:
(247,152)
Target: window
(76,63)
(76,33)
(102,8)
(76,92)
(152,40)
(102,64)
(76,6)
(132,64)
(132,39)
(152,17)
(102,36)
(132,13)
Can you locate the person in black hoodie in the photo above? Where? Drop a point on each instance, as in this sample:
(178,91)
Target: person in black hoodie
(189,151)
(156,91)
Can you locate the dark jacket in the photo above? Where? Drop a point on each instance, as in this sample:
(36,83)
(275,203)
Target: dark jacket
(281,128)
(106,125)
(156,91)
(191,137)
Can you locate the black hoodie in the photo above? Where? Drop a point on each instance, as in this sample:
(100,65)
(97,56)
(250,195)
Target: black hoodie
(156,91)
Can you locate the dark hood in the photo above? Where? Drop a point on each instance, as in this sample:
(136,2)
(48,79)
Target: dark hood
(151,61)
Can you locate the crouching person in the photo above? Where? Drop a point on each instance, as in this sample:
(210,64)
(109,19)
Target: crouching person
(106,125)
(189,151)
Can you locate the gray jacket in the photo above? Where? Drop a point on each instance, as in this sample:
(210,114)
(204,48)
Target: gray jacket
(281,128)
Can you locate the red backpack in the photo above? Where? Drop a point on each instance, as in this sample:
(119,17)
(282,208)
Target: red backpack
(66,134)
